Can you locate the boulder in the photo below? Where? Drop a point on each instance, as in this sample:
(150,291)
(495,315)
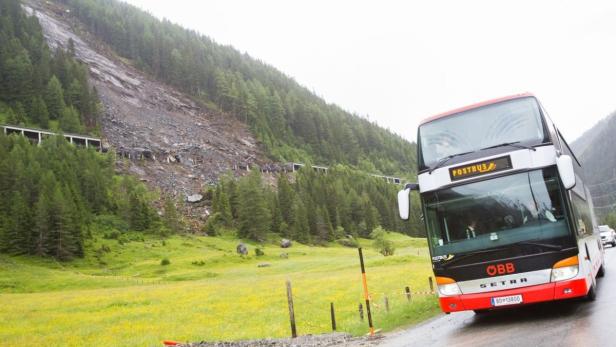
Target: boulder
(194,198)
(241,249)
(264,265)
(285,243)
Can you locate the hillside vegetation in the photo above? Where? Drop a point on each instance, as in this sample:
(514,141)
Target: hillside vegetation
(51,195)
(292,122)
(595,150)
(120,294)
(38,88)
(315,208)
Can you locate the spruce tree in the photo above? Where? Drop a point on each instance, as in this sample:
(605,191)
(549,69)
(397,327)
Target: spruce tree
(42,223)
(254,216)
(285,198)
(70,121)
(17,226)
(300,227)
(171,217)
(54,98)
(38,112)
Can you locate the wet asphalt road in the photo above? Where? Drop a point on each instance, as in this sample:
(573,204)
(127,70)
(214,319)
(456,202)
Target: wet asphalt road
(564,323)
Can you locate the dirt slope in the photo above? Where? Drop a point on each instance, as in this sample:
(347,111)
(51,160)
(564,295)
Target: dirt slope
(170,141)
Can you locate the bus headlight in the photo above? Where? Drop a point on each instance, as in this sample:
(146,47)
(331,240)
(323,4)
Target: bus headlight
(565,269)
(564,273)
(447,286)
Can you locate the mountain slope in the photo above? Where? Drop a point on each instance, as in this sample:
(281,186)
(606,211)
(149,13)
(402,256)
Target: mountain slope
(595,150)
(292,123)
(171,141)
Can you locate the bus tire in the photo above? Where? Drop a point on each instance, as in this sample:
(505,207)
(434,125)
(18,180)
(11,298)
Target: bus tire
(601,271)
(592,292)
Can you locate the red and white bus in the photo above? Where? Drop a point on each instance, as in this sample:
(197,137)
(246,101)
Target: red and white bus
(509,220)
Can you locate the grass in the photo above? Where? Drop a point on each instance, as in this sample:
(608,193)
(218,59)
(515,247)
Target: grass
(120,294)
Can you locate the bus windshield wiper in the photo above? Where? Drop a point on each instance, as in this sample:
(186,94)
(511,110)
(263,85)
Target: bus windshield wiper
(543,245)
(446,159)
(515,144)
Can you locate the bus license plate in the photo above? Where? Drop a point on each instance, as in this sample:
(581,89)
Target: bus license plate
(507,300)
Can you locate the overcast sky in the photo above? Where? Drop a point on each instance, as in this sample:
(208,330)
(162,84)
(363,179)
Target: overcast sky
(401,61)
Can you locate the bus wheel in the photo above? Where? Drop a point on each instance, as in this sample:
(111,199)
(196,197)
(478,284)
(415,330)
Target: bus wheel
(601,271)
(592,293)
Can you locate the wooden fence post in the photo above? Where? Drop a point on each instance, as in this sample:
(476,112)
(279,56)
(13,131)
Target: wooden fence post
(333,314)
(291,310)
(386,304)
(361,311)
(408,293)
(366,293)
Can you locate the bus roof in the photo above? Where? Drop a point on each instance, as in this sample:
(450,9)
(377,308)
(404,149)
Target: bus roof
(473,106)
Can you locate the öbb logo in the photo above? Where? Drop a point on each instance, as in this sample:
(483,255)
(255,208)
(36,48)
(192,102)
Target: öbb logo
(500,269)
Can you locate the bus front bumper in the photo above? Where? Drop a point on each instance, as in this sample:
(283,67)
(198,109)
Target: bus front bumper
(532,294)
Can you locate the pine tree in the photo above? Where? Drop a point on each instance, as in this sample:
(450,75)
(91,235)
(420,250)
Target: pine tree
(140,213)
(17,226)
(171,216)
(285,198)
(74,94)
(60,242)
(70,121)
(38,112)
(325,231)
(42,226)
(300,227)
(54,98)
(224,207)
(276,215)
(254,216)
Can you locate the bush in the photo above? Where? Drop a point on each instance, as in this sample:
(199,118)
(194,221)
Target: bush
(165,262)
(382,245)
(213,224)
(259,252)
(109,222)
(349,241)
(198,263)
(114,235)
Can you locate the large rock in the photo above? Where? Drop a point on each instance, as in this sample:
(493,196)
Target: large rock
(285,243)
(194,198)
(241,249)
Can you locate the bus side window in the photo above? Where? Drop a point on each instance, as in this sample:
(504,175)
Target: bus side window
(581,216)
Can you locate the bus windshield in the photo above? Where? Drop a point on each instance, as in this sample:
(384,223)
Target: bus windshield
(497,212)
(517,120)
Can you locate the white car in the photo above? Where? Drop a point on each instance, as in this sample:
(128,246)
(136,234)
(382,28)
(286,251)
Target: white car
(607,235)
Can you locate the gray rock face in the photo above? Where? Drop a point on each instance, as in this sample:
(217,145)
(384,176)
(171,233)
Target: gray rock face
(241,249)
(285,243)
(176,144)
(194,198)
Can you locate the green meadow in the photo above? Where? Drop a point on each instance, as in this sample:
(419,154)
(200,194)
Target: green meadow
(120,294)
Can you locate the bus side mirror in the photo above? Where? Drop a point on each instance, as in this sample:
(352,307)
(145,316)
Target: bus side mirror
(404,200)
(565,170)
(404,203)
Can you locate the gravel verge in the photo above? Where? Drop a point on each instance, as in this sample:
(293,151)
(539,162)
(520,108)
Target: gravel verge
(325,340)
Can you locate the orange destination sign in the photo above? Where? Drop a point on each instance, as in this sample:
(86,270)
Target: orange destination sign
(480,168)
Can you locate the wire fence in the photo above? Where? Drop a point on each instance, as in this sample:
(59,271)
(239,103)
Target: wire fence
(348,315)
